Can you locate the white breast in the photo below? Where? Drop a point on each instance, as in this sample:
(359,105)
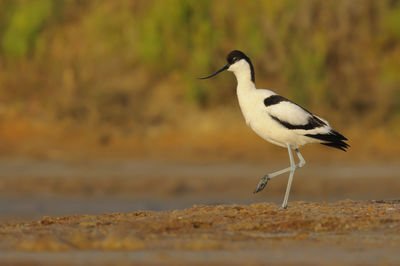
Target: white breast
(251,103)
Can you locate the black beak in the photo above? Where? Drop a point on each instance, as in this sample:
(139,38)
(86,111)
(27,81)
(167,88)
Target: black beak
(219,71)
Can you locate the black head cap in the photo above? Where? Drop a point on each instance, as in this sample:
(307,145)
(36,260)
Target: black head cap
(237,55)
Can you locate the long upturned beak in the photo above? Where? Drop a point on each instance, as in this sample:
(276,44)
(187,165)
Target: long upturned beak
(216,73)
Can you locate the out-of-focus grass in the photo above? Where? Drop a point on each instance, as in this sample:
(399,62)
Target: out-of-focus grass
(131,65)
(24,24)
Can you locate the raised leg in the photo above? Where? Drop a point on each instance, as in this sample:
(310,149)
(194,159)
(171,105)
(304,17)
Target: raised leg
(302,161)
(264,180)
(289,185)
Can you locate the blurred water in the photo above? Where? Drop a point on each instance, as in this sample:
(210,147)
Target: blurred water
(31,189)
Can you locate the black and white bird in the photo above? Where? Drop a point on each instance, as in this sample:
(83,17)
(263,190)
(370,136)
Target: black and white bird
(277,119)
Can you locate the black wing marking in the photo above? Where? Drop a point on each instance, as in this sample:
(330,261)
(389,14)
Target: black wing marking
(274,99)
(312,121)
(333,139)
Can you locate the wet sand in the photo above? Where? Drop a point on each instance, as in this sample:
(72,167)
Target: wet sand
(344,232)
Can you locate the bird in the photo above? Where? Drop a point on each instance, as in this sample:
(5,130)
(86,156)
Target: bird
(277,120)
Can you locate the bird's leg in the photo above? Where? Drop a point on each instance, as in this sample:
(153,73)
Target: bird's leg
(264,180)
(302,161)
(292,169)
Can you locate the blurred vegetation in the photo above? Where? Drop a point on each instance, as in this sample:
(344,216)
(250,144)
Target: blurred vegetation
(127,63)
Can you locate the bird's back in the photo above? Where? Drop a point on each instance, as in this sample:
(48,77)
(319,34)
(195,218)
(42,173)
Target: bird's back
(281,122)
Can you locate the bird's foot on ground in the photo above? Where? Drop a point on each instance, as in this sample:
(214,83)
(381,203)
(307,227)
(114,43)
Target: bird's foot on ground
(261,185)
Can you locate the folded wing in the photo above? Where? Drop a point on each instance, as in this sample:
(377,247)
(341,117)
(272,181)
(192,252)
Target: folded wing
(294,117)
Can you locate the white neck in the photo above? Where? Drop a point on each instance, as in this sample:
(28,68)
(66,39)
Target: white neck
(246,90)
(242,73)
(244,80)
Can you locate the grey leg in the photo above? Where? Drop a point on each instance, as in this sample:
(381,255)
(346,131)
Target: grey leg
(302,161)
(289,185)
(264,180)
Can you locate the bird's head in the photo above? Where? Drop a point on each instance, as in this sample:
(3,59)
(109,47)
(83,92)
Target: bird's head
(238,63)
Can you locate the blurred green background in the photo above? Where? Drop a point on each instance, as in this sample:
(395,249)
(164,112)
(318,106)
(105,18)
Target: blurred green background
(122,74)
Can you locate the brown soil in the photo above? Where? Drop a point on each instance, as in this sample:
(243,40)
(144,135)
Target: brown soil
(343,232)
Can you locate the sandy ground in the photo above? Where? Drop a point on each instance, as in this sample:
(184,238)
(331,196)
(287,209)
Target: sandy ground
(152,212)
(345,232)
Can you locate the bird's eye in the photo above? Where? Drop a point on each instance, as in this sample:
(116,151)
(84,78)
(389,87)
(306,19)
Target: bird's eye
(234,59)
